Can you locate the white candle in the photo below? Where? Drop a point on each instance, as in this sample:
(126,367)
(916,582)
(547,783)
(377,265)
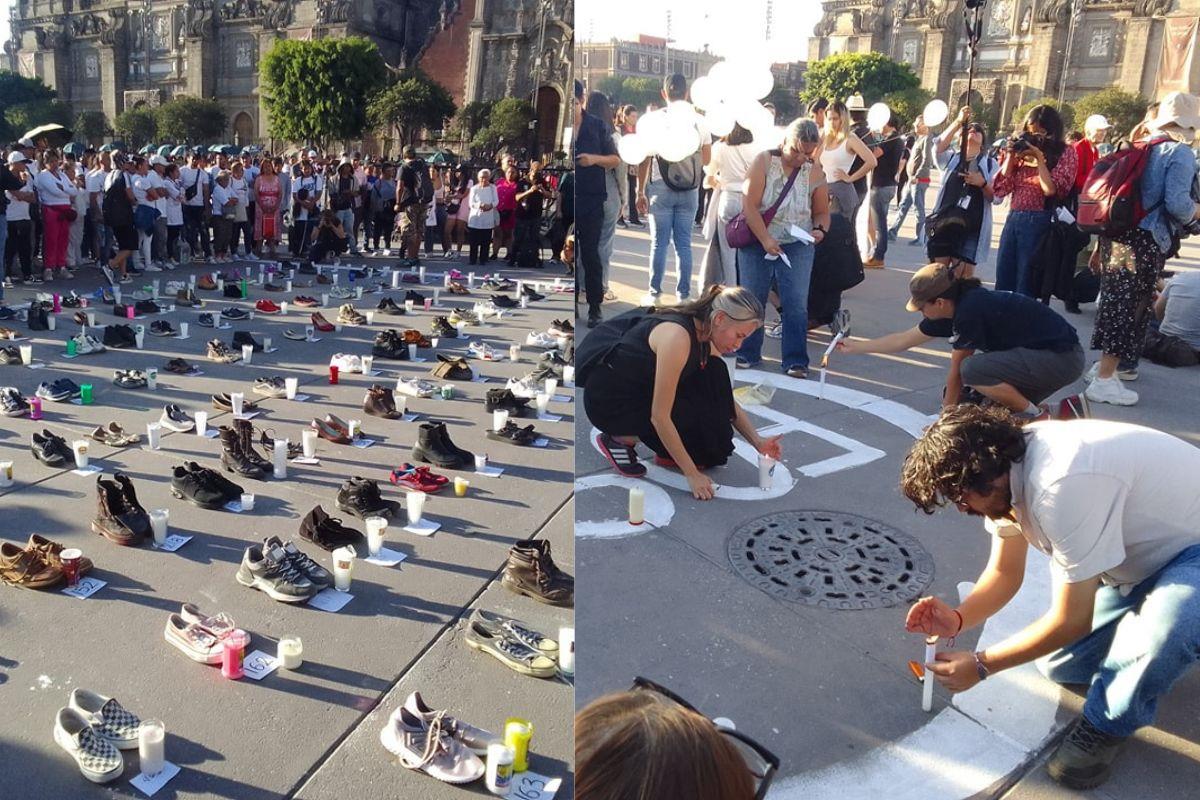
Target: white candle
(247,353)
(290,652)
(247,501)
(158,523)
(400,401)
(414,503)
(237,400)
(927,689)
(201,422)
(368,364)
(279,459)
(343,567)
(183,330)
(26,354)
(766,466)
(514,352)
(152,737)
(543,402)
(152,434)
(80,447)
(291,385)
(551,386)
(309,442)
(637,506)
(499,419)
(375,529)
(566,650)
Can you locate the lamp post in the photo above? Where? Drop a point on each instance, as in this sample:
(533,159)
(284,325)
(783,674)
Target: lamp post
(147,6)
(1076,11)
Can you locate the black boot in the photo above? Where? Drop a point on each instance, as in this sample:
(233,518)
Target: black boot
(465,456)
(234,459)
(432,449)
(245,432)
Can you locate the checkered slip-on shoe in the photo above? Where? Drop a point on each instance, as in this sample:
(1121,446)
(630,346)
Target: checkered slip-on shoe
(98,759)
(107,717)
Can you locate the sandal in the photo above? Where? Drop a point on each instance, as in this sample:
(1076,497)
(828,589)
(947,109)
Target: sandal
(457,288)
(511,433)
(114,435)
(267,440)
(509,651)
(27,568)
(192,640)
(130,379)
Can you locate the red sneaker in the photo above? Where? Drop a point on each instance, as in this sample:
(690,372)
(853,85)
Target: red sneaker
(413,479)
(320,323)
(1074,407)
(266,307)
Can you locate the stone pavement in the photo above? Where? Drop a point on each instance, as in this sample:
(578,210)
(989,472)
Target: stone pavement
(312,732)
(829,690)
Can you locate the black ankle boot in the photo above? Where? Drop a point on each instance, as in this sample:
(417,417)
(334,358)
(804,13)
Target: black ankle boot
(234,458)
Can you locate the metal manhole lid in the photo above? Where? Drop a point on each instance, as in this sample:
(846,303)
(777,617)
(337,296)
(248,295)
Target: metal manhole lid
(830,559)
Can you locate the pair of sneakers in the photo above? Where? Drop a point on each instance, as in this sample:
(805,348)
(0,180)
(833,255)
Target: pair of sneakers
(282,571)
(432,741)
(94,729)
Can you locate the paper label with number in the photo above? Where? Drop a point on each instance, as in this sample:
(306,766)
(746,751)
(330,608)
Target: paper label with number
(331,600)
(259,665)
(532,786)
(149,784)
(173,542)
(85,588)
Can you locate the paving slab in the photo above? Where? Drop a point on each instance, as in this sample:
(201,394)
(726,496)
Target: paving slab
(250,739)
(721,642)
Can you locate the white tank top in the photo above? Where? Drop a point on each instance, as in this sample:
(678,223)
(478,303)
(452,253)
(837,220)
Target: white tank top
(839,157)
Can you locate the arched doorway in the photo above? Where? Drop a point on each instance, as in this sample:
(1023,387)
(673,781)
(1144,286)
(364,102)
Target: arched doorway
(548,110)
(243,129)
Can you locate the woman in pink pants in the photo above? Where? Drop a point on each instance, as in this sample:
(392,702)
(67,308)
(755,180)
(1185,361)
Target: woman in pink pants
(56,192)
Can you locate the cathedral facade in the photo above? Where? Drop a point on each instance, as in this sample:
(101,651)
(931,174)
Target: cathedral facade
(1029,48)
(113,55)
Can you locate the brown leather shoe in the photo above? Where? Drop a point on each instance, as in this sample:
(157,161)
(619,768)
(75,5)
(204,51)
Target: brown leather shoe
(379,402)
(532,572)
(27,568)
(206,282)
(326,431)
(51,553)
(413,336)
(873,263)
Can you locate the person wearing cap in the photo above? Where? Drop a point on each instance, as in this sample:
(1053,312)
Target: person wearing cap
(1114,506)
(16,226)
(1130,264)
(1009,348)
(157,175)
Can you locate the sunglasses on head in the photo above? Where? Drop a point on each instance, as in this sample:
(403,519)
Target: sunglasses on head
(761,762)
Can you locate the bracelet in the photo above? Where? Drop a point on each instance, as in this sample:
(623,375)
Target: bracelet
(980,667)
(960,622)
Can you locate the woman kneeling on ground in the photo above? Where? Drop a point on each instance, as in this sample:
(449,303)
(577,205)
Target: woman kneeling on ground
(655,375)
(1009,348)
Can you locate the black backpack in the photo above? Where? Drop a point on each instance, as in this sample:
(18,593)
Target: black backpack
(424,181)
(116,207)
(682,176)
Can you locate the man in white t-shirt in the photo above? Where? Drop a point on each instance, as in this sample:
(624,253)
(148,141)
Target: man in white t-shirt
(145,194)
(158,168)
(1116,508)
(306,196)
(194,180)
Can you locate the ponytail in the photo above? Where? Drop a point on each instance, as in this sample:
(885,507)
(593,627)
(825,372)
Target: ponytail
(736,301)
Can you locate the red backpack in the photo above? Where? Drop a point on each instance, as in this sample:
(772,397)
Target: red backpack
(1111,201)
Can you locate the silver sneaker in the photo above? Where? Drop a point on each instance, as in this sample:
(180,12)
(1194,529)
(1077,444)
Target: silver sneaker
(429,747)
(477,739)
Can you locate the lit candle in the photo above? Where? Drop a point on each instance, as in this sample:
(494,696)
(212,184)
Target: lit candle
(927,689)
(289,652)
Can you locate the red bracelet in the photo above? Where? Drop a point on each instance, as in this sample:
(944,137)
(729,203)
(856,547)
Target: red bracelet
(960,623)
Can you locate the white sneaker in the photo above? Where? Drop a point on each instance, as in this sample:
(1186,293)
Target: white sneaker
(346,363)
(773,330)
(98,759)
(541,339)
(1110,390)
(1126,375)
(86,344)
(108,273)
(482,350)
(523,387)
(341,293)
(415,387)
(151,268)
(651,299)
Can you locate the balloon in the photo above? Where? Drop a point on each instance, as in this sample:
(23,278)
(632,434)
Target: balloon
(678,141)
(935,113)
(878,116)
(752,116)
(632,149)
(650,128)
(724,81)
(705,93)
(719,120)
(755,80)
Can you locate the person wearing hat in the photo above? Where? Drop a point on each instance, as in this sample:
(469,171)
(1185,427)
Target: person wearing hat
(158,179)
(16,227)
(1009,348)
(1130,264)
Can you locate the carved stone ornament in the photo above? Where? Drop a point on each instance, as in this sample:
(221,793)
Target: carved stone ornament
(115,30)
(88,25)
(941,12)
(333,11)
(277,14)
(1055,12)
(50,37)
(198,19)
(1151,8)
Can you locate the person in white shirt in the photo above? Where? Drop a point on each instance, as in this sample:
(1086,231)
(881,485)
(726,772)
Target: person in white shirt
(306,208)
(56,191)
(726,173)
(75,171)
(224,209)
(145,213)
(94,185)
(19,243)
(482,218)
(243,226)
(174,214)
(194,180)
(158,166)
(251,173)
(1116,509)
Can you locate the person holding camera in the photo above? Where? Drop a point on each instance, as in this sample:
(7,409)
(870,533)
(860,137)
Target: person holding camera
(960,228)
(1130,263)
(1037,170)
(532,193)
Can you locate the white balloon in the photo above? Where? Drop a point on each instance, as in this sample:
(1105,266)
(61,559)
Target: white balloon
(651,127)
(705,93)
(751,115)
(878,116)
(678,141)
(935,113)
(755,81)
(633,148)
(724,81)
(719,120)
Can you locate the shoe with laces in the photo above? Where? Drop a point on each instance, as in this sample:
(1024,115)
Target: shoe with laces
(531,571)
(243,338)
(528,291)
(235,314)
(379,402)
(622,456)
(59,391)
(304,301)
(442,328)
(1110,390)
(298,559)
(1084,759)
(476,739)
(430,747)
(349,315)
(508,650)
(266,307)
(206,320)
(327,532)
(130,378)
(415,387)
(12,402)
(86,344)
(419,479)
(270,571)
(539,339)
(346,363)
(415,296)
(523,387)
(482,350)
(161,327)
(270,386)
(51,449)
(388,306)
(174,419)
(196,484)
(178,366)
(218,351)
(360,497)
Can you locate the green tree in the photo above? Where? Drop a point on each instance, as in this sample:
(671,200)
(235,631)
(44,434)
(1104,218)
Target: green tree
(411,104)
(508,127)
(136,126)
(29,115)
(613,86)
(16,91)
(1123,109)
(907,104)
(641,92)
(873,75)
(1065,110)
(91,127)
(190,119)
(472,118)
(317,91)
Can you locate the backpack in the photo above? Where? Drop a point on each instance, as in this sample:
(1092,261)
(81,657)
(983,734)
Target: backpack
(424,182)
(115,207)
(1111,201)
(682,176)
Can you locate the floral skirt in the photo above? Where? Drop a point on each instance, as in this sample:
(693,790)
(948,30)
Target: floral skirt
(1131,264)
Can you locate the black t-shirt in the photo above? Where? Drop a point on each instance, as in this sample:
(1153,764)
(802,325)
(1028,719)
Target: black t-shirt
(860,185)
(594,139)
(9,182)
(408,183)
(531,207)
(884,174)
(992,321)
(957,189)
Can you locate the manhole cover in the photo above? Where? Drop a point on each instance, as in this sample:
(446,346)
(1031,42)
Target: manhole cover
(830,559)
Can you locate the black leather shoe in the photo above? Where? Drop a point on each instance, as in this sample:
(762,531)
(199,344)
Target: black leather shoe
(51,449)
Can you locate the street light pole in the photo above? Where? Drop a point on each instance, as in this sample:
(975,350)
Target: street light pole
(1076,10)
(147,6)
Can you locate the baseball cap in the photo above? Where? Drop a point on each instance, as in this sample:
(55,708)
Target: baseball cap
(17,157)
(158,161)
(1096,122)
(928,283)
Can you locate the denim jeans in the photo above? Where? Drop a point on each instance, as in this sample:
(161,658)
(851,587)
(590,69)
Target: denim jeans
(3,242)
(346,217)
(1018,245)
(608,230)
(672,215)
(881,198)
(914,194)
(1139,646)
(756,272)
(195,232)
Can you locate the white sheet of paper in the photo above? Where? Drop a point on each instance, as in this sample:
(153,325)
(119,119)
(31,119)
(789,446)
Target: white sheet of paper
(258,665)
(801,235)
(149,784)
(363,444)
(479,379)
(532,786)
(85,588)
(549,418)
(90,469)
(233,505)
(490,471)
(211,434)
(309,461)
(386,558)
(248,415)
(541,441)
(331,600)
(410,417)
(173,543)
(36,365)
(563,398)
(426,527)
(300,398)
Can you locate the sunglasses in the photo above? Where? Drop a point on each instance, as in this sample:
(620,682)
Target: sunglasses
(762,763)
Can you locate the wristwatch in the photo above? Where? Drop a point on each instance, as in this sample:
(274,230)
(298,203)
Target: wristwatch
(820,228)
(980,667)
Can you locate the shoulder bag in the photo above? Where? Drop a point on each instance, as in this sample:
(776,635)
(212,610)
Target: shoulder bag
(737,230)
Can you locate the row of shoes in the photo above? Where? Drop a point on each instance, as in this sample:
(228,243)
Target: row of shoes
(513,643)
(94,729)
(37,565)
(431,741)
(197,635)
(282,571)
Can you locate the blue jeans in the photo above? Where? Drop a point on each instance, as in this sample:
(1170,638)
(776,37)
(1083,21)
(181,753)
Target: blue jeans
(346,217)
(756,272)
(672,215)
(1139,646)
(3,242)
(1018,245)
(881,198)
(914,194)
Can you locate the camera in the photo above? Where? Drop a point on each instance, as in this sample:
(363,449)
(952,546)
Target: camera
(1019,144)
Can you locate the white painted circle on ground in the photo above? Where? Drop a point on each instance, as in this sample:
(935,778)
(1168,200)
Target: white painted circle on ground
(658,512)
